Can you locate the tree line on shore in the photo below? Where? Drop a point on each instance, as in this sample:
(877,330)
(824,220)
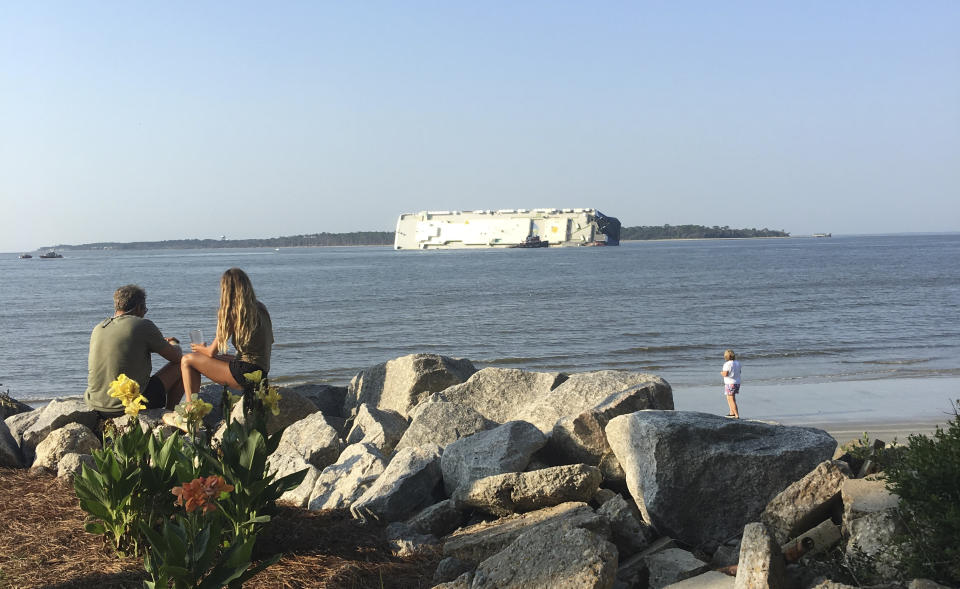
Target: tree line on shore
(313,239)
(643,232)
(695,232)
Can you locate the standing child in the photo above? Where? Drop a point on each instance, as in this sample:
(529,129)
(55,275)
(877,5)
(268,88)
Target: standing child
(731,381)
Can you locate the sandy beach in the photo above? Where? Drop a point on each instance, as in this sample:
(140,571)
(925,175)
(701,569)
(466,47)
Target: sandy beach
(885,409)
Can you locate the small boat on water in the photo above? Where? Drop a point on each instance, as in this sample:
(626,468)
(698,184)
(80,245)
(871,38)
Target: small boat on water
(25,256)
(822,235)
(51,255)
(532,241)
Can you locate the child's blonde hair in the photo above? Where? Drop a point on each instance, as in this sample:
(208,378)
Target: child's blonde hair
(729,355)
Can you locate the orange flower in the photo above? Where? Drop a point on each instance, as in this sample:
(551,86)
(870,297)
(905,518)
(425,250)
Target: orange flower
(202,493)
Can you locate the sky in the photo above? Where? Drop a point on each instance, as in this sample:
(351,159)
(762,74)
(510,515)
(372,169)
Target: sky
(135,121)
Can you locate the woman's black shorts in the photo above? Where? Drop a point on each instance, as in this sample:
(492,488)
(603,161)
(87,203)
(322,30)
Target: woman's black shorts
(238,368)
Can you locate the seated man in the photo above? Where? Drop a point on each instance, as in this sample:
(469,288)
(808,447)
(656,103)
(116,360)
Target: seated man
(122,344)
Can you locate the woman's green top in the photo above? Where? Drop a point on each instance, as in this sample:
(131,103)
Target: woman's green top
(257,350)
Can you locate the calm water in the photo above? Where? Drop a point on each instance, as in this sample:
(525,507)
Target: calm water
(796,310)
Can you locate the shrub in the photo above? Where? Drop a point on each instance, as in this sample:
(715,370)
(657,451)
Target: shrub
(130,484)
(226,492)
(926,477)
(190,550)
(865,450)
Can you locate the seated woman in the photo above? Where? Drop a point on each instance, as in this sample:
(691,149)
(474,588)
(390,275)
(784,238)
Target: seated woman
(242,319)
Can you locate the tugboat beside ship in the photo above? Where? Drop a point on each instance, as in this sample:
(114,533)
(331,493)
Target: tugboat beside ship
(532,241)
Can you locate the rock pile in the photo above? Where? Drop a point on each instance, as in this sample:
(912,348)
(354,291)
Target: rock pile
(522,479)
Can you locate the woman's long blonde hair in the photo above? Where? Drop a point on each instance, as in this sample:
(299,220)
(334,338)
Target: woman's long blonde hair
(238,316)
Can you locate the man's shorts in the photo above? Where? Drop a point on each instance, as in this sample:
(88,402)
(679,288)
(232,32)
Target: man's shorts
(155,394)
(731,389)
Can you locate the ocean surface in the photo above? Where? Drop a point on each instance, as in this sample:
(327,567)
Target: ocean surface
(816,312)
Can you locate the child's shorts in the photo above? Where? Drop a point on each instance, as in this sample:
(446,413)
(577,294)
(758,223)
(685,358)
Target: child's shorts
(731,389)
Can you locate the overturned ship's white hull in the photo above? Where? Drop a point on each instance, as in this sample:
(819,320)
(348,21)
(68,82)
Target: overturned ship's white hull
(505,228)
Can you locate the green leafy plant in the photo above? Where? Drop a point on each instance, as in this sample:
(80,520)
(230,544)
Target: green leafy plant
(107,494)
(191,415)
(227,491)
(861,448)
(242,459)
(879,454)
(243,463)
(186,552)
(926,477)
(129,484)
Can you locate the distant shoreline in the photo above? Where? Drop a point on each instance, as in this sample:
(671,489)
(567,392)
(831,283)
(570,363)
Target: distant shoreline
(386,238)
(719,238)
(310,240)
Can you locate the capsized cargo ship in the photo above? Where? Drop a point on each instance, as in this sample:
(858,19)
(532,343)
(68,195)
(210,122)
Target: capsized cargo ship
(505,228)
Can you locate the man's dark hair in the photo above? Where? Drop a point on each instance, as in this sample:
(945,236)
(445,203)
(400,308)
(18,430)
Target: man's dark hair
(129,297)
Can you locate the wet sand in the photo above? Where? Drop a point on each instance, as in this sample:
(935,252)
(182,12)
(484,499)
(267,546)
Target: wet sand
(885,409)
(887,432)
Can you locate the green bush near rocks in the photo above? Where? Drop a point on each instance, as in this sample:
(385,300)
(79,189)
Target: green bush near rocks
(224,493)
(925,474)
(926,477)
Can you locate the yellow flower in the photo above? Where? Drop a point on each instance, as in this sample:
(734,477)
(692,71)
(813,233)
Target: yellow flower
(193,411)
(198,408)
(271,399)
(124,388)
(255,377)
(136,406)
(128,391)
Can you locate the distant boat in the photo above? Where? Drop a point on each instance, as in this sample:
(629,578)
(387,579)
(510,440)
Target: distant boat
(823,235)
(25,256)
(51,255)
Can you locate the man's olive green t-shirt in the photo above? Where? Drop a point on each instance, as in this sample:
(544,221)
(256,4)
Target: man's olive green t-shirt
(120,345)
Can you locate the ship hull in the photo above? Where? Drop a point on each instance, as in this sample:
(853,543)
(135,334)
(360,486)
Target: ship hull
(504,228)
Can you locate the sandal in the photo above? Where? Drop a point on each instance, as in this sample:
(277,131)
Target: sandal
(174,420)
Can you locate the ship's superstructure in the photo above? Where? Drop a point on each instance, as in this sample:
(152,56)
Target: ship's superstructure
(505,228)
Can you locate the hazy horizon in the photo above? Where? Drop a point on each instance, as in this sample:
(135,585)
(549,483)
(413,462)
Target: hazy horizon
(47,247)
(132,123)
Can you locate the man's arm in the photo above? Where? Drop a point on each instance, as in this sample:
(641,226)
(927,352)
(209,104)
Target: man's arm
(158,344)
(171,352)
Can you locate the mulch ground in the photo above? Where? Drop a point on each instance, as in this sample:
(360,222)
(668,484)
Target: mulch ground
(43,544)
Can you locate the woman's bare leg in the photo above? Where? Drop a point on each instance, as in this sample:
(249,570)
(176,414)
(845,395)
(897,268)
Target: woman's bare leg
(193,365)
